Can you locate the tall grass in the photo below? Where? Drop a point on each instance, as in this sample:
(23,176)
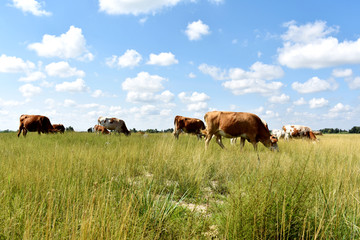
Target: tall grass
(88,186)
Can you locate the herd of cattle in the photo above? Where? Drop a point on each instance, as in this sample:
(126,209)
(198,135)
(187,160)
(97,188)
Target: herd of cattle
(246,126)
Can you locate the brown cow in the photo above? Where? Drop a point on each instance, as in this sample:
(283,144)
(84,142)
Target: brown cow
(35,123)
(114,124)
(188,125)
(59,127)
(238,124)
(298,131)
(102,129)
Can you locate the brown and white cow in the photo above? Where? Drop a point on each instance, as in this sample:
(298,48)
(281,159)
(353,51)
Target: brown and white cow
(188,125)
(59,127)
(102,129)
(298,131)
(35,123)
(238,124)
(115,124)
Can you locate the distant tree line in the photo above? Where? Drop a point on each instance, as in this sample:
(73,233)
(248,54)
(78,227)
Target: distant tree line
(355,129)
(152,130)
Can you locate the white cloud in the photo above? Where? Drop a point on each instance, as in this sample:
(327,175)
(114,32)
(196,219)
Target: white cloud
(340,111)
(144,88)
(31,6)
(97,93)
(196,30)
(354,83)
(166,96)
(191,75)
(300,101)
(163,59)
(245,86)
(144,82)
(76,86)
(215,72)
(217,2)
(71,44)
(134,7)
(32,77)
(62,69)
(314,84)
(340,108)
(309,46)
(29,90)
(318,102)
(69,103)
(258,70)
(196,102)
(342,73)
(10,103)
(283,98)
(131,58)
(195,97)
(243,82)
(14,65)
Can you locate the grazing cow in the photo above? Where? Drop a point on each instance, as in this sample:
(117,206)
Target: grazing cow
(233,140)
(35,123)
(298,131)
(317,133)
(102,129)
(278,133)
(114,124)
(188,125)
(59,127)
(238,124)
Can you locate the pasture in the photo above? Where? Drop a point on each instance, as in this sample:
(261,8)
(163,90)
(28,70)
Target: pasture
(89,186)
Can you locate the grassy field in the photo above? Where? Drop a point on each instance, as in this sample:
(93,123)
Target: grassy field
(88,186)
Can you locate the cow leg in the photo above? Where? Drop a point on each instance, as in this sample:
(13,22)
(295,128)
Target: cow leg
(242,143)
(218,140)
(207,140)
(24,132)
(176,133)
(233,141)
(20,129)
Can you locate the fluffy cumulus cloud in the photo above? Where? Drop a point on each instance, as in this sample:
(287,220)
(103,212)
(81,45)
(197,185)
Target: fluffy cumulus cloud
(146,88)
(196,102)
(29,90)
(62,69)
(215,72)
(196,30)
(31,6)
(162,59)
(135,7)
(71,44)
(10,64)
(340,111)
(314,84)
(318,102)
(259,79)
(283,98)
(33,76)
(131,58)
(75,86)
(342,73)
(300,101)
(311,46)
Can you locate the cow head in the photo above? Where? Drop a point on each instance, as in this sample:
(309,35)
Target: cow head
(273,143)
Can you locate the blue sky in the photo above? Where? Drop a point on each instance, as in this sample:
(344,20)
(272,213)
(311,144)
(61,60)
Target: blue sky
(290,62)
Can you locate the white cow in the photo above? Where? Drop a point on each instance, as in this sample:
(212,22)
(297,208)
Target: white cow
(298,131)
(278,133)
(114,124)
